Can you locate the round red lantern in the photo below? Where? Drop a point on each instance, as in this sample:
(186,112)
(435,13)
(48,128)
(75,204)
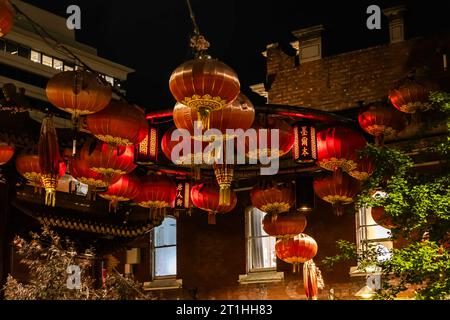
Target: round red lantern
(296,250)
(206,197)
(124,189)
(379,216)
(338,189)
(119,124)
(338,148)
(6,153)
(273,199)
(411,96)
(204,85)
(28,167)
(380,121)
(80,170)
(364,169)
(284,225)
(6,17)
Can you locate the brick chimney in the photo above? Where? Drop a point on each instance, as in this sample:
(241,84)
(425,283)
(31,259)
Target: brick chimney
(309,44)
(396,23)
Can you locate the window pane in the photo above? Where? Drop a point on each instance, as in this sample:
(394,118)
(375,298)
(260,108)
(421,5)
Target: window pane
(68,68)
(47,61)
(57,64)
(35,56)
(166,233)
(256,226)
(263,253)
(166,261)
(24,52)
(12,48)
(110,80)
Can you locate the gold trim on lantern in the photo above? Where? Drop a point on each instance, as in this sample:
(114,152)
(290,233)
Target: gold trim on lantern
(276,207)
(333,163)
(93,182)
(50,184)
(379,130)
(108,171)
(154,204)
(358,175)
(196,102)
(116,141)
(412,107)
(338,199)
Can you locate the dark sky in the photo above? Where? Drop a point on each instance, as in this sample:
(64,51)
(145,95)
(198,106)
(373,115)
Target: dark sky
(152,36)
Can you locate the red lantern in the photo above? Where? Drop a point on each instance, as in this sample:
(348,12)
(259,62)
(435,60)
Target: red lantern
(305,143)
(284,225)
(108,160)
(28,167)
(338,148)
(380,121)
(125,189)
(296,250)
(147,150)
(6,17)
(338,189)
(379,216)
(363,170)
(204,85)
(273,199)
(6,153)
(310,281)
(411,97)
(119,124)
(80,170)
(206,197)
(156,192)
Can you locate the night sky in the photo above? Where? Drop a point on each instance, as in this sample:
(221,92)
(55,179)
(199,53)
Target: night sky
(152,36)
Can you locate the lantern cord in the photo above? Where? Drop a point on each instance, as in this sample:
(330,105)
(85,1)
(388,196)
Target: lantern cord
(192,15)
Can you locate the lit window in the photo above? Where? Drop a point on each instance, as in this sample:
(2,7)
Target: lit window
(110,80)
(35,56)
(261,247)
(57,64)
(164,249)
(47,61)
(68,68)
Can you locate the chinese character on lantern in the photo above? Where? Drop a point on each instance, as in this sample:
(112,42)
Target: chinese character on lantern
(305,143)
(182,200)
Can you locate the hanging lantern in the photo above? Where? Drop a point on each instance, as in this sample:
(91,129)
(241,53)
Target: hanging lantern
(204,85)
(108,160)
(206,197)
(125,189)
(305,143)
(296,250)
(272,198)
(183,197)
(146,151)
(6,153)
(157,193)
(284,225)
(49,160)
(379,216)
(338,148)
(381,121)
(224,176)
(310,280)
(79,93)
(364,169)
(119,124)
(338,189)
(6,17)
(28,167)
(411,96)
(80,171)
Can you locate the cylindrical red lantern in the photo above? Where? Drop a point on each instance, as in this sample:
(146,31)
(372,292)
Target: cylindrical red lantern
(338,148)
(204,85)
(364,169)
(284,225)
(411,96)
(379,216)
(206,196)
(305,143)
(338,189)
(146,152)
(6,153)
(296,250)
(125,189)
(273,199)
(6,17)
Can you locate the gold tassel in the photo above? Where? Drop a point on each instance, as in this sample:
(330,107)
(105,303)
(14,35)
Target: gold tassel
(212,218)
(50,197)
(224,196)
(204,116)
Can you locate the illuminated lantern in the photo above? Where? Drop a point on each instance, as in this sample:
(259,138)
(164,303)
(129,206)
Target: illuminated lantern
(310,280)
(224,175)
(364,169)
(204,85)
(108,160)
(284,225)
(338,189)
(379,216)
(6,17)
(119,124)
(28,167)
(206,197)
(125,189)
(338,148)
(146,152)
(80,170)
(157,193)
(410,97)
(296,250)
(6,153)
(305,143)
(273,199)
(381,121)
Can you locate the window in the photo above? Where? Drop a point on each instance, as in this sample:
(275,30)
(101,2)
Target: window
(68,68)
(35,56)
(164,249)
(57,64)
(47,61)
(110,80)
(261,247)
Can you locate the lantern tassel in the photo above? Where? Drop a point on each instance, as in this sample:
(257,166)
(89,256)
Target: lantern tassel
(204,116)
(212,218)
(310,280)
(224,196)
(113,206)
(338,209)
(50,197)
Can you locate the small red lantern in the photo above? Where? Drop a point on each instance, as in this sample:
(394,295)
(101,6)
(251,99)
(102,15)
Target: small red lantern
(80,170)
(411,96)
(273,199)
(284,225)
(6,17)
(147,150)
(28,167)
(296,250)
(6,153)
(206,197)
(338,148)
(363,170)
(305,143)
(125,189)
(379,216)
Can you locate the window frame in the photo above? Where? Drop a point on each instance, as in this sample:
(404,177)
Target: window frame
(154,248)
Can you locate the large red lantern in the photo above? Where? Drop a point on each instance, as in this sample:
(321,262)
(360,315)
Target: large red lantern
(411,96)
(381,121)
(125,189)
(338,148)
(80,170)
(338,189)
(157,193)
(6,17)
(364,169)
(272,198)
(284,225)
(206,197)
(108,160)
(204,85)
(6,153)
(296,250)
(119,124)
